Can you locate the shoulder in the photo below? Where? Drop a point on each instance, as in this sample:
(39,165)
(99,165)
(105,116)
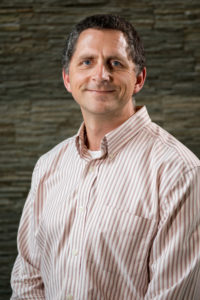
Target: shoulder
(54,158)
(169,159)
(170,150)
(57,150)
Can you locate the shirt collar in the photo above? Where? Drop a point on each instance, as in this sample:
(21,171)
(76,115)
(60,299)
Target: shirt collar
(117,138)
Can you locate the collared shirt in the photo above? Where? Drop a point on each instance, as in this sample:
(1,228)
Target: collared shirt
(122,226)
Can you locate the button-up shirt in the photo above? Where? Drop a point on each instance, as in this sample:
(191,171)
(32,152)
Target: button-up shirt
(124,225)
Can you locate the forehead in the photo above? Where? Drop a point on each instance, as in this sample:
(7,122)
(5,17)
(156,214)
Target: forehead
(106,41)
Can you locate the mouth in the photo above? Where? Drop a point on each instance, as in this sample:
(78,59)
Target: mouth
(101,91)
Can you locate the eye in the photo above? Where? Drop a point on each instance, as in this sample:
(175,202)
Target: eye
(87,62)
(115,63)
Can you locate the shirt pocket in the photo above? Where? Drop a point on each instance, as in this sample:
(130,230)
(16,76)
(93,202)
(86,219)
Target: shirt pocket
(122,242)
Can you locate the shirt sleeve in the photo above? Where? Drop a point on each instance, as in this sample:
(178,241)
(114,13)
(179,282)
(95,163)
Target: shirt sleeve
(174,261)
(26,280)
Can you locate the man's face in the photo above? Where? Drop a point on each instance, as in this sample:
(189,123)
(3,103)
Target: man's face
(102,78)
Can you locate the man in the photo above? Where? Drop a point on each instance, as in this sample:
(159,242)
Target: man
(113,212)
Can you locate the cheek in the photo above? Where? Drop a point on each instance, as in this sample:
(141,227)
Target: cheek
(128,84)
(131,82)
(79,81)
(126,79)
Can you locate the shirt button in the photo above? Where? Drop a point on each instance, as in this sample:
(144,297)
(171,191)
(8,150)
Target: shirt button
(75,252)
(111,155)
(81,208)
(70,297)
(91,169)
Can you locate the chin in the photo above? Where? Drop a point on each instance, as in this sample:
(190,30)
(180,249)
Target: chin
(98,110)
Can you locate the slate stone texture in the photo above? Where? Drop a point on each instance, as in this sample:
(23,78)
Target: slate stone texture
(36,112)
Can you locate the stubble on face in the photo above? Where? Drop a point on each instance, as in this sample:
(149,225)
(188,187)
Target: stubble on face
(98,88)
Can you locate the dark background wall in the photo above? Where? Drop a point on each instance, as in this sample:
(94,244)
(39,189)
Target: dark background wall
(36,112)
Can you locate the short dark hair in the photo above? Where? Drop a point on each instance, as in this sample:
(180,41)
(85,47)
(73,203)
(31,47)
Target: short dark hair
(106,21)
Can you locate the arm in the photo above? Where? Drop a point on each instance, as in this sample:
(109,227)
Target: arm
(174,262)
(26,280)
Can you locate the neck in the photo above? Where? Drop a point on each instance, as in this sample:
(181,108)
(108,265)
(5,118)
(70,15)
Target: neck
(98,126)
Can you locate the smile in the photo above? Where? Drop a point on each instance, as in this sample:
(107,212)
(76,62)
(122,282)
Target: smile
(100,91)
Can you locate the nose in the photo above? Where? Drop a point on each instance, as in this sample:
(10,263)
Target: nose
(101,73)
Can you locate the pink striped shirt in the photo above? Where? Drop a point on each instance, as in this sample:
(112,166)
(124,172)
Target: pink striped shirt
(122,226)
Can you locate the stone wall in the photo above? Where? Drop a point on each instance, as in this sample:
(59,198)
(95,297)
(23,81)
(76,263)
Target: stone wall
(36,112)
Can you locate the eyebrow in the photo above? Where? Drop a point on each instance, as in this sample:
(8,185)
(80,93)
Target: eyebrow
(85,56)
(111,57)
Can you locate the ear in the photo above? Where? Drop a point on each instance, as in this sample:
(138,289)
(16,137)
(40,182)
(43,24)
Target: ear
(66,80)
(140,81)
